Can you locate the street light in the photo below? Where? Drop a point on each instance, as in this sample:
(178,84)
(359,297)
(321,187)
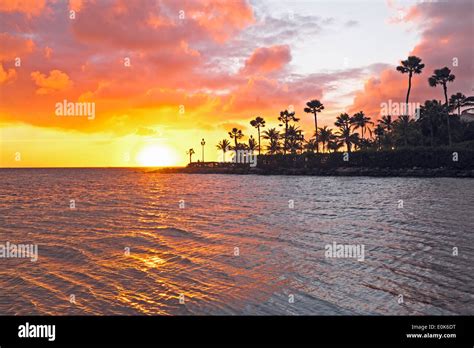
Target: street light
(202,144)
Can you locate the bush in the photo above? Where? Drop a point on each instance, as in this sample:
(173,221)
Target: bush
(402,158)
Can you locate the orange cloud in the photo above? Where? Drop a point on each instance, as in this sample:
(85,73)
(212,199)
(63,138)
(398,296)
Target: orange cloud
(56,81)
(6,75)
(29,7)
(13,46)
(267,59)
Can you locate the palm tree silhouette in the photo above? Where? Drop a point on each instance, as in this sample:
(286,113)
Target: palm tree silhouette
(313,107)
(236,134)
(379,132)
(310,145)
(257,123)
(190,152)
(457,101)
(252,144)
(325,135)
(386,123)
(295,139)
(359,120)
(402,125)
(334,144)
(285,118)
(273,136)
(442,77)
(411,66)
(344,122)
(223,145)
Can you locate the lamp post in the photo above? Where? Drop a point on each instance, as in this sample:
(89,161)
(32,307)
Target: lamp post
(202,144)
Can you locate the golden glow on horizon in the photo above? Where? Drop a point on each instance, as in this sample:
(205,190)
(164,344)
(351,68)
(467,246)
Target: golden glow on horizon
(156,156)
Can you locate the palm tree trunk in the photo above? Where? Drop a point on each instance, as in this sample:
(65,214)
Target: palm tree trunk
(445,89)
(316,133)
(258,129)
(408,92)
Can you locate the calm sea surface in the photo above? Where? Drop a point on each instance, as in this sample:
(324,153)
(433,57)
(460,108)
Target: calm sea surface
(234,246)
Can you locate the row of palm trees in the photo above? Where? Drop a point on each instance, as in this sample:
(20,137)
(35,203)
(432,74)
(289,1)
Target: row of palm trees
(434,124)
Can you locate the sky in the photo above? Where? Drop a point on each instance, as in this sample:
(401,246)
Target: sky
(162,75)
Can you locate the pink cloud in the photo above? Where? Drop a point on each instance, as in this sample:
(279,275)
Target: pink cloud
(267,59)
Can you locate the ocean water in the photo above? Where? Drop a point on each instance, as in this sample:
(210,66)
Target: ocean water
(141,243)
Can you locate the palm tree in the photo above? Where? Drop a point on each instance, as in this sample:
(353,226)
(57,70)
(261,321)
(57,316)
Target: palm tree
(252,144)
(285,118)
(359,120)
(442,77)
(190,152)
(344,122)
(295,139)
(310,145)
(223,145)
(325,135)
(387,123)
(457,101)
(334,144)
(313,107)
(236,134)
(401,127)
(379,132)
(274,137)
(257,123)
(411,66)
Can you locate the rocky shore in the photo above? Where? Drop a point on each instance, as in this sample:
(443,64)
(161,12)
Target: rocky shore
(341,171)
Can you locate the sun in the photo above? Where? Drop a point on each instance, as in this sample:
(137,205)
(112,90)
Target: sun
(156,156)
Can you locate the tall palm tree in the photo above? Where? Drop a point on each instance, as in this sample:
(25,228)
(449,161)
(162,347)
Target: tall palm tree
(285,118)
(442,77)
(273,136)
(223,145)
(359,120)
(411,66)
(252,144)
(457,101)
(325,135)
(258,123)
(190,152)
(313,107)
(236,134)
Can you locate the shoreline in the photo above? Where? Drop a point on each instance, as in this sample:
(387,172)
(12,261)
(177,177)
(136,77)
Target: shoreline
(341,171)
